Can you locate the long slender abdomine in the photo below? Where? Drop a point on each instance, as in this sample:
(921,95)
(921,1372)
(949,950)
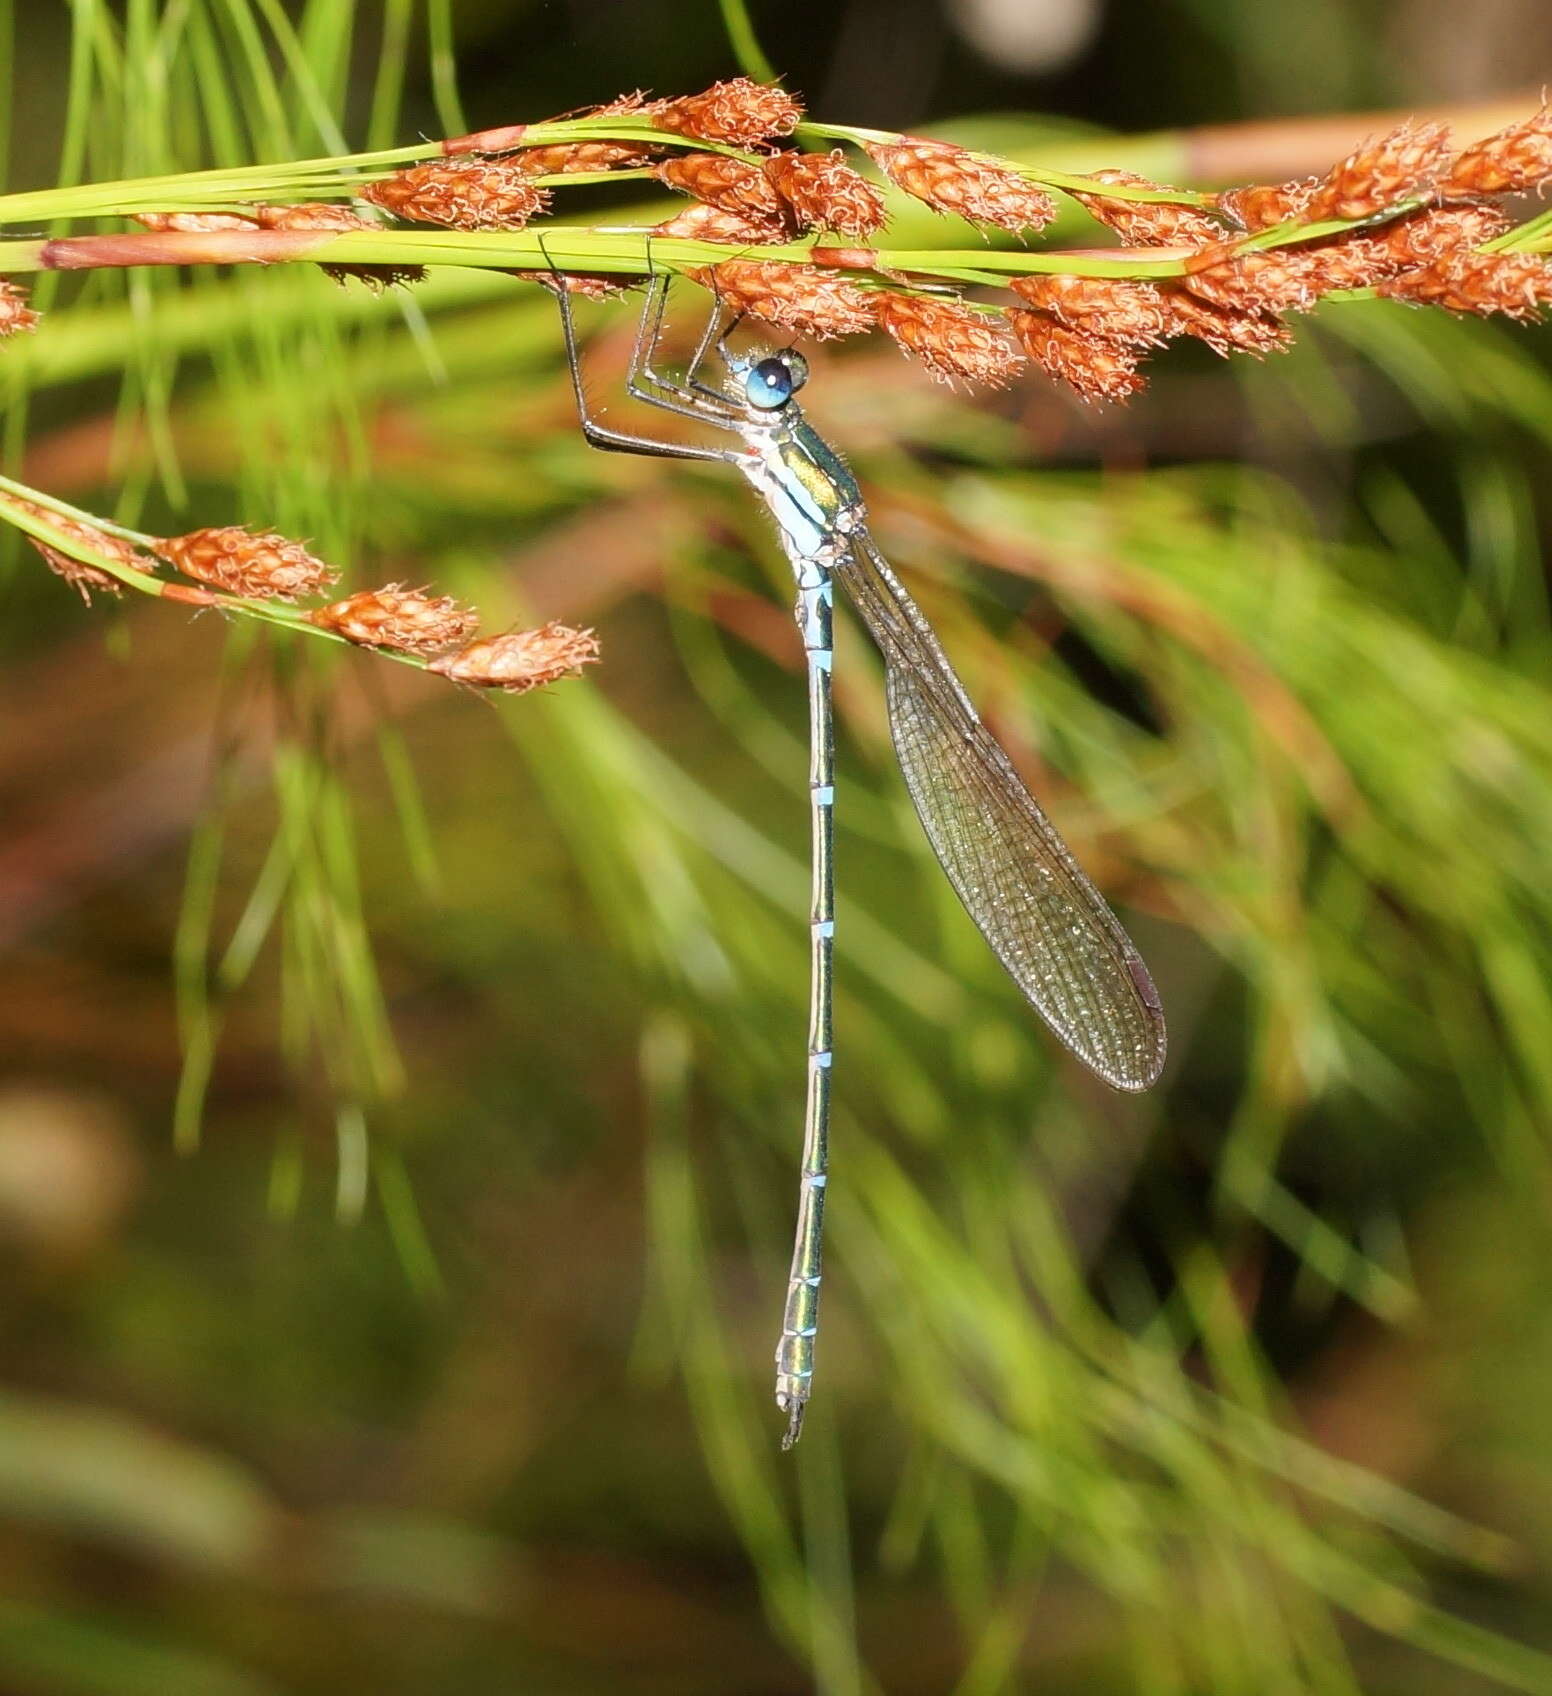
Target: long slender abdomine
(800,1314)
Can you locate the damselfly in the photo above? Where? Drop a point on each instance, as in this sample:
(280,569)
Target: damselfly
(1046,922)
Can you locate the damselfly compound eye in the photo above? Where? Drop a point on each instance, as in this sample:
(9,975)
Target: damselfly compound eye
(770,384)
(797,366)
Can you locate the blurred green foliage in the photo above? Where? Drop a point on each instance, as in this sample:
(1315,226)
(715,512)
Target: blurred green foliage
(442,1366)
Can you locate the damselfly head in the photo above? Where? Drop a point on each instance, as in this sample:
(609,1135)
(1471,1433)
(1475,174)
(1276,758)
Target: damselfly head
(768,383)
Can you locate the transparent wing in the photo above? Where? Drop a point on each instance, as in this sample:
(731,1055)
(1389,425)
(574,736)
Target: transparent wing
(1018,880)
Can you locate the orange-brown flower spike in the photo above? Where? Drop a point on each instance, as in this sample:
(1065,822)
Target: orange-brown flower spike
(1118,308)
(823,192)
(565,158)
(312,215)
(407,620)
(477,194)
(1223,330)
(952,179)
(1404,165)
(731,185)
(1439,232)
(1516,284)
(1260,206)
(15,314)
(259,566)
(1515,160)
(739,113)
(1095,369)
(195,223)
(521,660)
(1147,223)
(700,222)
(800,298)
(77,572)
(951,340)
(590,286)
(1276,279)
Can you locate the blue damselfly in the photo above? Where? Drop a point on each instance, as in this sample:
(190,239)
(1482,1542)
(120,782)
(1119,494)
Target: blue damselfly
(1046,922)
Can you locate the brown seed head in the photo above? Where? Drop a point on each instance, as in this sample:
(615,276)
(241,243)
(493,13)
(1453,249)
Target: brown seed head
(1272,280)
(949,338)
(1404,165)
(15,314)
(731,185)
(1516,284)
(590,286)
(1148,223)
(953,179)
(1260,206)
(194,223)
(823,192)
(521,660)
(75,571)
(259,566)
(565,158)
(376,277)
(1116,308)
(463,194)
(407,620)
(739,113)
(1516,160)
(800,298)
(1096,369)
(312,215)
(1440,232)
(1224,331)
(700,222)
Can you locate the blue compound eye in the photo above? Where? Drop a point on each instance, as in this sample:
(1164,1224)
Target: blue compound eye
(769,384)
(797,367)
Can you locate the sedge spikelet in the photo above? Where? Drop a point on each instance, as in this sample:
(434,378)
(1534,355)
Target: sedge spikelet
(1515,160)
(521,660)
(194,223)
(590,286)
(1272,280)
(257,565)
(1094,368)
(15,314)
(1116,308)
(1224,330)
(822,191)
(731,185)
(311,215)
(474,194)
(952,179)
(950,339)
(406,620)
(1403,165)
(1147,223)
(565,158)
(702,222)
(77,572)
(800,298)
(1261,205)
(739,113)
(1438,232)
(1518,285)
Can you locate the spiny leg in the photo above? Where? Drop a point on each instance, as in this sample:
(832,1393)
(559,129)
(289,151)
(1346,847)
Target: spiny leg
(621,441)
(689,399)
(800,1319)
